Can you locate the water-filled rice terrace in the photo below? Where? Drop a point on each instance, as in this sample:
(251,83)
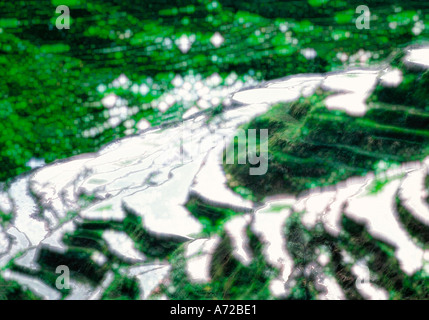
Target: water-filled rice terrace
(113,135)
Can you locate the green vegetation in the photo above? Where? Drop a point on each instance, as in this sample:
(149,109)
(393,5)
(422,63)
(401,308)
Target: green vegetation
(411,94)
(380,182)
(5,218)
(302,245)
(383,264)
(78,259)
(417,229)
(310,146)
(122,288)
(53,80)
(151,244)
(230,278)
(11,290)
(359,245)
(211,217)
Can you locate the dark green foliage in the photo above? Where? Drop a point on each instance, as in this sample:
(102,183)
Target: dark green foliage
(359,244)
(230,278)
(122,288)
(49,76)
(412,93)
(86,239)
(298,241)
(11,290)
(41,112)
(91,240)
(5,218)
(302,245)
(344,275)
(427,186)
(416,228)
(151,244)
(77,259)
(210,216)
(303,290)
(47,275)
(49,96)
(311,146)
(383,264)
